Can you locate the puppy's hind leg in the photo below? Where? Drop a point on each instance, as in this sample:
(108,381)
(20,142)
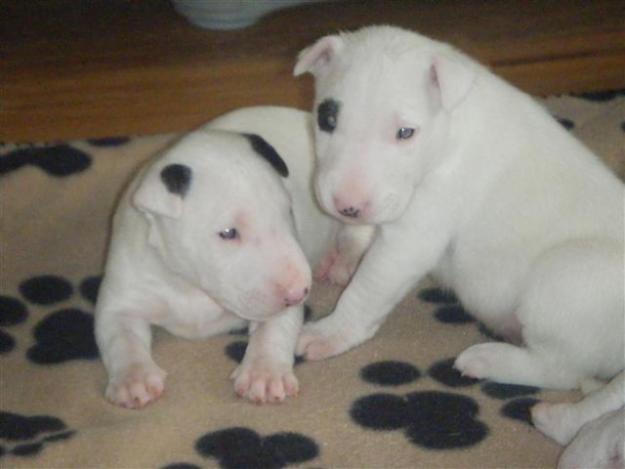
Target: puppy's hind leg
(599,444)
(562,421)
(506,363)
(571,318)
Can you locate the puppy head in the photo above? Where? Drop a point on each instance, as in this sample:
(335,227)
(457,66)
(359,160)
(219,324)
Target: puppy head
(384,103)
(220,216)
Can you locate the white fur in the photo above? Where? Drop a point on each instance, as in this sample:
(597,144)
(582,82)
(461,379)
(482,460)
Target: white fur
(168,266)
(490,194)
(593,428)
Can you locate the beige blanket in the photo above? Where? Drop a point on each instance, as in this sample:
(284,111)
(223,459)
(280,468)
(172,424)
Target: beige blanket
(392,402)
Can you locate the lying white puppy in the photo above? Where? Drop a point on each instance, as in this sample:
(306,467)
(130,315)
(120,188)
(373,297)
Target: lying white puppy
(467,178)
(205,239)
(594,427)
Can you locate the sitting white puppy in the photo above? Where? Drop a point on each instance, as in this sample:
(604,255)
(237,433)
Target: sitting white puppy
(594,427)
(467,178)
(206,239)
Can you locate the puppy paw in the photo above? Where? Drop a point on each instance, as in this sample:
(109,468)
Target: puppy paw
(476,361)
(136,386)
(315,343)
(321,271)
(263,381)
(335,268)
(555,421)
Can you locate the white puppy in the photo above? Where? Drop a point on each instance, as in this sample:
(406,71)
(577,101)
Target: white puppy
(467,178)
(206,239)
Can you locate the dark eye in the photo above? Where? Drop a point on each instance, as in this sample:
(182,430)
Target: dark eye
(230,233)
(404,133)
(327,115)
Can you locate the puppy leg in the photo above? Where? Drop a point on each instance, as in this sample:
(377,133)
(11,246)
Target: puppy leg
(562,421)
(572,322)
(266,372)
(339,264)
(510,364)
(124,341)
(599,444)
(398,257)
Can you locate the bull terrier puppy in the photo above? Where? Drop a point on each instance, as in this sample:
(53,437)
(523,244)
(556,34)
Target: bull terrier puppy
(594,427)
(206,239)
(467,178)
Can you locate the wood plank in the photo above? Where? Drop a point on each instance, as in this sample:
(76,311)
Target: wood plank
(109,67)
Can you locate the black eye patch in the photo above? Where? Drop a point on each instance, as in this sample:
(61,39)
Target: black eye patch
(177,178)
(269,153)
(327,115)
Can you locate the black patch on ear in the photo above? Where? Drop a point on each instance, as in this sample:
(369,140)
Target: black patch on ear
(269,153)
(328,115)
(177,178)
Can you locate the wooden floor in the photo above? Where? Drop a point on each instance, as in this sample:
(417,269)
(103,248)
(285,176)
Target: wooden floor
(97,68)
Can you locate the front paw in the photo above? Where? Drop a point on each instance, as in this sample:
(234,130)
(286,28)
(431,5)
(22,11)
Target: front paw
(317,342)
(262,381)
(136,386)
(335,268)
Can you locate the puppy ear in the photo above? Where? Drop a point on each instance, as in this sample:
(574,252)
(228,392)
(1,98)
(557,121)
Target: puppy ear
(162,192)
(451,80)
(316,58)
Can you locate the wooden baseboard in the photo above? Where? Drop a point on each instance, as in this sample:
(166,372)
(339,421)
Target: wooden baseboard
(73,69)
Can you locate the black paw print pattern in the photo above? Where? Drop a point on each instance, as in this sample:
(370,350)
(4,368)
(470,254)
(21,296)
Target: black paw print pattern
(448,308)
(450,311)
(568,124)
(236,350)
(22,435)
(12,312)
(56,159)
(598,97)
(65,334)
(240,447)
(601,96)
(430,419)
(181,465)
(444,372)
(108,141)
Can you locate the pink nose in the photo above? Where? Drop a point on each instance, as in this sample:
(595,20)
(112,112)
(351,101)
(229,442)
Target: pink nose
(345,208)
(295,296)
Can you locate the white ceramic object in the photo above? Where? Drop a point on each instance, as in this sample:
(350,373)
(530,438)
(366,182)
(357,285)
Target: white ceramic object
(230,14)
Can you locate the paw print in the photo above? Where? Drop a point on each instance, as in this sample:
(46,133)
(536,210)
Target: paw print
(21,435)
(242,447)
(518,408)
(12,312)
(108,141)
(431,419)
(181,465)
(600,96)
(448,310)
(55,159)
(434,419)
(568,124)
(65,334)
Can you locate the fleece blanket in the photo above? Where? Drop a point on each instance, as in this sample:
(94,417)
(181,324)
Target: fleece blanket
(395,401)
